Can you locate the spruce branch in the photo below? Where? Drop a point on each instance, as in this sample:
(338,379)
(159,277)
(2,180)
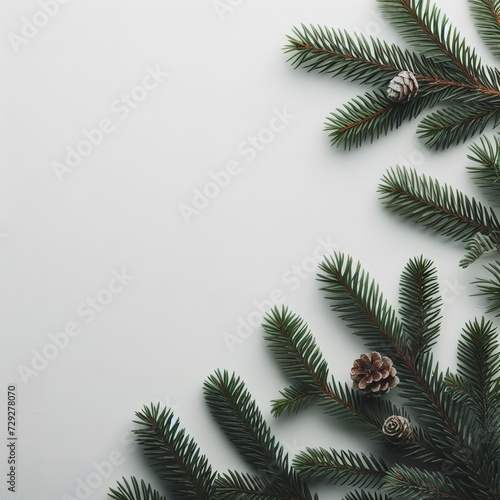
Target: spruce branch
(240,419)
(365,495)
(477,384)
(411,483)
(359,302)
(486,169)
(294,398)
(294,348)
(487,16)
(367,117)
(424,26)
(173,454)
(455,124)
(238,486)
(420,306)
(134,491)
(490,288)
(340,467)
(442,208)
(447,70)
(363,60)
(299,357)
(479,245)
(363,308)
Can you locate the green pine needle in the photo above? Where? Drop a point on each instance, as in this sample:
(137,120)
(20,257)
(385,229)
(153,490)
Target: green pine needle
(295,398)
(455,124)
(134,491)
(477,383)
(447,70)
(442,208)
(238,486)
(425,27)
(489,288)
(420,306)
(294,347)
(486,169)
(240,419)
(365,495)
(357,58)
(173,454)
(487,16)
(341,467)
(479,245)
(411,483)
(359,302)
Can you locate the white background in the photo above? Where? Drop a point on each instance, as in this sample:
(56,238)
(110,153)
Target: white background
(119,209)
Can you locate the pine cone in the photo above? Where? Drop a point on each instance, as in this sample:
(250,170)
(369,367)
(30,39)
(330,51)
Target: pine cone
(373,374)
(397,429)
(403,87)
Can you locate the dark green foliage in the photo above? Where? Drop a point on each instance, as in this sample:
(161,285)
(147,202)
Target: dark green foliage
(454,214)
(452,451)
(411,483)
(241,421)
(486,169)
(341,467)
(173,454)
(444,426)
(134,491)
(440,207)
(448,71)
(365,495)
(420,306)
(489,288)
(487,16)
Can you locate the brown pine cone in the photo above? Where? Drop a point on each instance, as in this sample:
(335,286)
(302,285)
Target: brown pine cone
(397,429)
(373,374)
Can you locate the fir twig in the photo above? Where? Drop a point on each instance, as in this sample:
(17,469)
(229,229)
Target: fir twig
(340,467)
(173,454)
(479,245)
(487,16)
(365,495)
(441,208)
(415,484)
(363,308)
(241,420)
(134,491)
(490,288)
(420,306)
(447,71)
(430,31)
(477,384)
(486,169)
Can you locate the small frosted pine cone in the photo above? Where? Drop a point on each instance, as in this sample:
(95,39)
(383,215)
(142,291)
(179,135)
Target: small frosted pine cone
(373,374)
(402,87)
(397,429)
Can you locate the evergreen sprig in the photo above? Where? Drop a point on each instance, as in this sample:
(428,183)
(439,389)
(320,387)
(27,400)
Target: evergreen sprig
(489,288)
(341,467)
(453,417)
(487,16)
(437,206)
(486,168)
(173,454)
(452,213)
(134,491)
(448,71)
